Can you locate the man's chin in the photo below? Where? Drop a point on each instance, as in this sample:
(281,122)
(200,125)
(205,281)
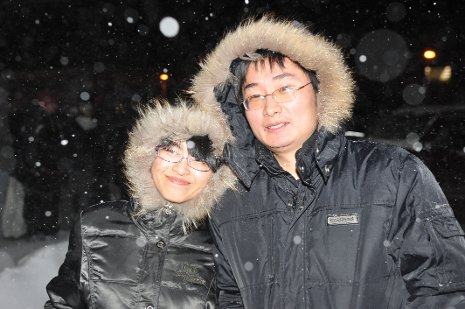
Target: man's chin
(278,147)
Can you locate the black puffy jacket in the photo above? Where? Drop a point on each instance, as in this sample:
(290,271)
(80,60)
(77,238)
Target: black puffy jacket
(119,261)
(366,226)
(147,253)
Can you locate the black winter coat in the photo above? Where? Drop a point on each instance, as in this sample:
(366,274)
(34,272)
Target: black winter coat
(367,226)
(119,261)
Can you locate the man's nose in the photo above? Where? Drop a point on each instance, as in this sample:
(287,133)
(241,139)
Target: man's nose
(271,106)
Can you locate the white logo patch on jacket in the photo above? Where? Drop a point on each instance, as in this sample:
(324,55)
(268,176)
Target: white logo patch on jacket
(343,219)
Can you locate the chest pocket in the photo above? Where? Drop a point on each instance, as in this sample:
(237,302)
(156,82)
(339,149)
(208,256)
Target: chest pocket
(347,245)
(113,258)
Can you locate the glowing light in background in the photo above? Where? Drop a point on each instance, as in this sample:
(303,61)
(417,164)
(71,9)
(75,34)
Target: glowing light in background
(131,16)
(169,26)
(396,11)
(442,74)
(414,94)
(429,54)
(382,55)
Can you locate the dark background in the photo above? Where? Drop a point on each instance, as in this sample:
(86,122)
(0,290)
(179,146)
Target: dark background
(100,60)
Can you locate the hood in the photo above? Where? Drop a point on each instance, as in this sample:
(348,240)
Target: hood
(179,122)
(213,86)
(335,98)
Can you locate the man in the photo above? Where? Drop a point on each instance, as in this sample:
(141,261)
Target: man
(319,221)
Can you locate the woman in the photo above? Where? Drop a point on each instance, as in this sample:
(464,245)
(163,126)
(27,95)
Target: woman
(151,251)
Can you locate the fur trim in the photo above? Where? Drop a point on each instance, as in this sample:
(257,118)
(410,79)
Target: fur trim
(335,99)
(180,122)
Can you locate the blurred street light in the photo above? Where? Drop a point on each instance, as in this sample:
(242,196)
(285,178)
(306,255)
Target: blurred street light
(442,74)
(429,54)
(164,84)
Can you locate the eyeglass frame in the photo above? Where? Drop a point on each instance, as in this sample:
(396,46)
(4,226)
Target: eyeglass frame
(181,157)
(263,96)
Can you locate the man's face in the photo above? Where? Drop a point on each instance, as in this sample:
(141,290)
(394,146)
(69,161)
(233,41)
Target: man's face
(281,127)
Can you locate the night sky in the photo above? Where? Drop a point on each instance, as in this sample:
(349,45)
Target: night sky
(106,57)
(124,37)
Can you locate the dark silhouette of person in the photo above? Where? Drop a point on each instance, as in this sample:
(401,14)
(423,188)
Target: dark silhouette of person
(43,139)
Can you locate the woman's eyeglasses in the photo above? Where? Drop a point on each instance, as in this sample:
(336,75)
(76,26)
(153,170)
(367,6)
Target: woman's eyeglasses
(170,155)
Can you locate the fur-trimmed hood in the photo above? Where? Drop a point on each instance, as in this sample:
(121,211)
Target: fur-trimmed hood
(177,123)
(214,87)
(335,98)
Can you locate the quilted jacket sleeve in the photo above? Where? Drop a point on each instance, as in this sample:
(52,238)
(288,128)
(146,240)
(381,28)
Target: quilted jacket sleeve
(431,242)
(65,290)
(228,294)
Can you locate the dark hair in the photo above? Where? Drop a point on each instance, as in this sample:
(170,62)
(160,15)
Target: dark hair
(239,67)
(199,147)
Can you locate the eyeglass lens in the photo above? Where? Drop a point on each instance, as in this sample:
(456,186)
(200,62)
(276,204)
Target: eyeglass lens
(172,156)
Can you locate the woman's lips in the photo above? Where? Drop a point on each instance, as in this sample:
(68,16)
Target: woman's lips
(178,181)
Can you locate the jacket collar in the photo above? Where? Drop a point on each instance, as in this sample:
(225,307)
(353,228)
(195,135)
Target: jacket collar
(266,159)
(157,220)
(320,150)
(327,150)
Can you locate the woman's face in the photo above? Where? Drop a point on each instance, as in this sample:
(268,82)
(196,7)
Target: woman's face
(178,182)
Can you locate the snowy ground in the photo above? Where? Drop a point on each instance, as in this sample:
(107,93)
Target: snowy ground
(25,269)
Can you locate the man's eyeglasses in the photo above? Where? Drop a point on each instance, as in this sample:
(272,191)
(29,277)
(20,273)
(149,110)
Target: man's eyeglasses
(281,95)
(170,155)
